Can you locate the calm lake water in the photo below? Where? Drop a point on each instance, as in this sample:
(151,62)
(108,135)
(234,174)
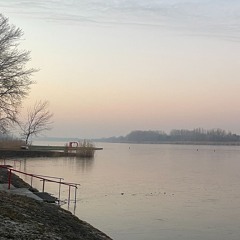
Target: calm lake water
(153,192)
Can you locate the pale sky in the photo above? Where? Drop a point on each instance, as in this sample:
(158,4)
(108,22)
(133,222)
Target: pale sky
(111,66)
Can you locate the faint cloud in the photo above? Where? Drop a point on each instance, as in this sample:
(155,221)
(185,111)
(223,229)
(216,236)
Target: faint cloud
(205,17)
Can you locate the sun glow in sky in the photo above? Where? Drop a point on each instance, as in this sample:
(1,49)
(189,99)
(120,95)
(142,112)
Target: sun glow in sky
(108,67)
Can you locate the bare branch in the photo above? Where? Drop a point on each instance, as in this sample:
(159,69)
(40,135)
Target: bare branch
(38,120)
(14,76)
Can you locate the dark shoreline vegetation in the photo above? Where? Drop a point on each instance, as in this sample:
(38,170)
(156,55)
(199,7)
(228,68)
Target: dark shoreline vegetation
(24,218)
(196,136)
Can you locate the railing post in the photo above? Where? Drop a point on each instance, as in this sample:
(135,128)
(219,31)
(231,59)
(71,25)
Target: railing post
(69,193)
(31,180)
(59,189)
(9,174)
(9,178)
(75,201)
(43,185)
(75,197)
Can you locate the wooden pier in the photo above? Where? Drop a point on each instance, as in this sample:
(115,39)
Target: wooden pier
(49,151)
(58,148)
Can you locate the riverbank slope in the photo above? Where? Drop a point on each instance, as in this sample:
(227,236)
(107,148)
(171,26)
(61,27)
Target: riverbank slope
(25,218)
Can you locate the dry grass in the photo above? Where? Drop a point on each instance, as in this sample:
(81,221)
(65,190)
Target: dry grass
(85,149)
(9,143)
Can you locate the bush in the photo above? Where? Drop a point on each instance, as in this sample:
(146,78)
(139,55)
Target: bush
(11,143)
(85,149)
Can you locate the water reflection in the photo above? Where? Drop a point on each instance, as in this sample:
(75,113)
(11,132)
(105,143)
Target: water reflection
(24,165)
(147,191)
(77,163)
(85,164)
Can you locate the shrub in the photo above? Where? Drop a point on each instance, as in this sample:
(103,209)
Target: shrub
(85,149)
(11,143)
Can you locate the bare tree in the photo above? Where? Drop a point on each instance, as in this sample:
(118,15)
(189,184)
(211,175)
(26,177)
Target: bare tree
(38,120)
(14,76)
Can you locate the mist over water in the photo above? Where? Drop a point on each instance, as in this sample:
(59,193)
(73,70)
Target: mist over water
(153,192)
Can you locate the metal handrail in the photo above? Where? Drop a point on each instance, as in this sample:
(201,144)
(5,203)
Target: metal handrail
(44,179)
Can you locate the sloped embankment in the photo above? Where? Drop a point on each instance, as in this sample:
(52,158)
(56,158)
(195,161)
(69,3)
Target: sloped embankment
(27,219)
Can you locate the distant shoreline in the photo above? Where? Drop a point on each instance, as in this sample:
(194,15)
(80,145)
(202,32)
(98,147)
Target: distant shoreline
(178,143)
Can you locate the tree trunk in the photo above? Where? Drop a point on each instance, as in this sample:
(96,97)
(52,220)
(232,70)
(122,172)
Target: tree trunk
(27,137)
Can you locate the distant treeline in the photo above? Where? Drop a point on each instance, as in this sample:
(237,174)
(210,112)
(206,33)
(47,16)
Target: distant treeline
(197,135)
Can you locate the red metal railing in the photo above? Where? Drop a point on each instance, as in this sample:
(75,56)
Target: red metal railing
(44,179)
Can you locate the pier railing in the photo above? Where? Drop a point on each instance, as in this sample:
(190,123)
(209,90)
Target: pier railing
(44,179)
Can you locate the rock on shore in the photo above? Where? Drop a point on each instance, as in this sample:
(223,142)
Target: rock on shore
(24,218)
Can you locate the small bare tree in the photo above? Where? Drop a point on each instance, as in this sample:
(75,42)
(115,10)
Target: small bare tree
(14,76)
(38,120)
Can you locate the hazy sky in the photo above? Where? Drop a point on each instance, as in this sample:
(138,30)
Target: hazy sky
(111,66)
